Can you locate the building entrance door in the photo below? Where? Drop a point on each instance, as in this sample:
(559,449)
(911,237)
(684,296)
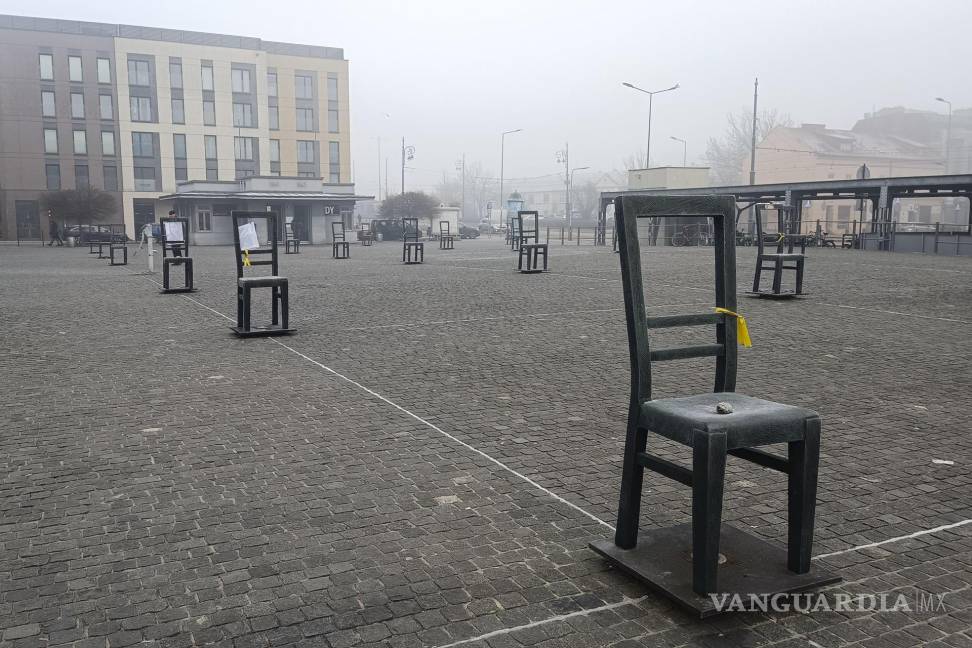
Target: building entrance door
(144,211)
(28,220)
(302,222)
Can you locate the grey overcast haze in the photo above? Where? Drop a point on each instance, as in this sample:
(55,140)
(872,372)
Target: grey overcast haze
(452,75)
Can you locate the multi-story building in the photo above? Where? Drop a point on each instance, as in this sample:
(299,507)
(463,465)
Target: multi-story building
(136,111)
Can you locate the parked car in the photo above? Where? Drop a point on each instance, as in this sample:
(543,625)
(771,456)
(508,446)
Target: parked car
(467,232)
(85,234)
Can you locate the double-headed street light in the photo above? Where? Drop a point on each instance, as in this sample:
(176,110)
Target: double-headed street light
(502,159)
(651,94)
(684,150)
(948,132)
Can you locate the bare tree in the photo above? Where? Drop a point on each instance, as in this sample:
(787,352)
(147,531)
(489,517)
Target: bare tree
(726,156)
(80,206)
(481,187)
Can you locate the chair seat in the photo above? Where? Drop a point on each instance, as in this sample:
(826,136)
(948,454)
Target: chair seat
(256,282)
(795,256)
(753,422)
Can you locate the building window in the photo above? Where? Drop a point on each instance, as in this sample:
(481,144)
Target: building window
(178,111)
(212,165)
(306,174)
(334,161)
(144,178)
(47,67)
(207,77)
(241,80)
(179,146)
(141,109)
(142,145)
(305,151)
(274,118)
(243,147)
(305,119)
(74,69)
(204,220)
(242,114)
(108,142)
(138,73)
(209,113)
(50,140)
(77,105)
(104,103)
(274,150)
(53,172)
(304,86)
(332,88)
(210,147)
(111,178)
(48,107)
(332,120)
(104,70)
(272,84)
(175,74)
(81,177)
(80,142)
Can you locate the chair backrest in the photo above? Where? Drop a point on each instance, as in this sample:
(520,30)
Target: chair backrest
(410,230)
(337,231)
(784,223)
(175,235)
(528,226)
(263,248)
(444,228)
(628,209)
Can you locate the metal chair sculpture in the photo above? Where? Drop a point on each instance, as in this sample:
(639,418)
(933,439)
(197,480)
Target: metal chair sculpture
(529,248)
(513,233)
(291,239)
(447,240)
(340,247)
(413,249)
(366,235)
(713,425)
(117,242)
(175,252)
(777,261)
(247,244)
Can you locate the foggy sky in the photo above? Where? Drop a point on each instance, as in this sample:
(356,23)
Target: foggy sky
(452,75)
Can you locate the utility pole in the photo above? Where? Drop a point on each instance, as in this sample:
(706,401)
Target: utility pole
(379,168)
(502,159)
(752,150)
(408,151)
(564,156)
(462,204)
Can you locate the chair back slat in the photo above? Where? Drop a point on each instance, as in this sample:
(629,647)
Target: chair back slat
(171,247)
(410,230)
(628,209)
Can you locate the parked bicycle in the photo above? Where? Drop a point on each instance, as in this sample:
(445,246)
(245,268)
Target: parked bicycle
(694,234)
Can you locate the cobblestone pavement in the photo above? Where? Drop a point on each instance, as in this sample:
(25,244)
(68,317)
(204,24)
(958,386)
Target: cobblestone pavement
(426,460)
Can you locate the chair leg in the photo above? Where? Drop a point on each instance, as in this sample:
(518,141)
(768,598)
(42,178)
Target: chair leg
(799,276)
(165,275)
(285,306)
(239,307)
(632,479)
(708,475)
(246,309)
(274,305)
(759,271)
(778,276)
(802,494)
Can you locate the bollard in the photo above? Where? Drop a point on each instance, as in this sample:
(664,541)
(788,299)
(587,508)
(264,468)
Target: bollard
(578,236)
(561,235)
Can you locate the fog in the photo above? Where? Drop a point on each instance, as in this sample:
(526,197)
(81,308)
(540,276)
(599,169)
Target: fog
(451,76)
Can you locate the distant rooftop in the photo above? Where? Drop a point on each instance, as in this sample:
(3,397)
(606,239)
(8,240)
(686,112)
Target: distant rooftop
(80,27)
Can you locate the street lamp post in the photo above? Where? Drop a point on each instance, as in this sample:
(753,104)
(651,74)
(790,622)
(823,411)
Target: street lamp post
(502,159)
(408,151)
(461,167)
(651,95)
(684,150)
(948,133)
(570,187)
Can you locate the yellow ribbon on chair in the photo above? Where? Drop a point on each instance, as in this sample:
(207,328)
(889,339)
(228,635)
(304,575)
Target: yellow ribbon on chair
(246,258)
(742,331)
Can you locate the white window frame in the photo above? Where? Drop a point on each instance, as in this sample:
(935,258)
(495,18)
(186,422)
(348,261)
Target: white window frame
(45,104)
(80,141)
(50,140)
(108,143)
(74,65)
(101,106)
(241,80)
(204,219)
(74,105)
(46,62)
(208,77)
(104,70)
(138,63)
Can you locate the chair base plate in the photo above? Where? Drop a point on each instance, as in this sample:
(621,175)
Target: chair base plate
(537,271)
(663,561)
(166,291)
(769,294)
(262,331)
(412,262)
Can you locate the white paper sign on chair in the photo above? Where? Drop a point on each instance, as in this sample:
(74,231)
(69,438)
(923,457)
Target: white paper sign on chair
(173,232)
(248,237)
